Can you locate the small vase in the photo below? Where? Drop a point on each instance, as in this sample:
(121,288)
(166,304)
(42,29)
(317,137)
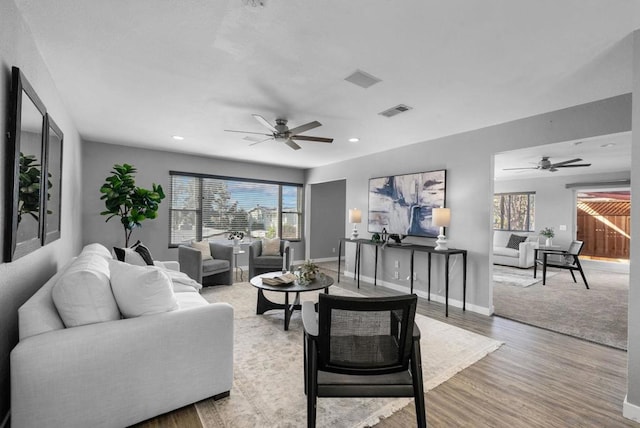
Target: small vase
(548,243)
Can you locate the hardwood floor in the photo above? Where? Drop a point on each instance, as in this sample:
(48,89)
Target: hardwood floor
(538,378)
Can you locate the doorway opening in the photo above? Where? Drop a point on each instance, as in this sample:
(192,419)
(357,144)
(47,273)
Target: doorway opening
(604,224)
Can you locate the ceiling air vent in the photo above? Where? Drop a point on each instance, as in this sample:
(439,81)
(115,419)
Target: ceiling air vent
(362,79)
(400,108)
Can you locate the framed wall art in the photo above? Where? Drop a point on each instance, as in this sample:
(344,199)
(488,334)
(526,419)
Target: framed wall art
(402,204)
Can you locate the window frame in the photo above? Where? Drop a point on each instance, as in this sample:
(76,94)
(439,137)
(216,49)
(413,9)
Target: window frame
(506,217)
(200,197)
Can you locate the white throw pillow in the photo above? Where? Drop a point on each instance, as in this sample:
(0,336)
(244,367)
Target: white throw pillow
(271,247)
(204,248)
(82,295)
(141,290)
(129,255)
(98,249)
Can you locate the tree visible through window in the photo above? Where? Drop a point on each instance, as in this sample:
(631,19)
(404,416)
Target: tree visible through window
(210,207)
(514,211)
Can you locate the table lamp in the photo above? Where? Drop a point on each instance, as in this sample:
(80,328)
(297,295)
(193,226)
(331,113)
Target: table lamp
(355,217)
(441,217)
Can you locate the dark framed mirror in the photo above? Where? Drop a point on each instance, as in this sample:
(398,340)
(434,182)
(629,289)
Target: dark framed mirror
(24,167)
(53,183)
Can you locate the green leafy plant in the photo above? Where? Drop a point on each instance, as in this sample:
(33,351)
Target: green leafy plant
(309,270)
(29,190)
(548,232)
(132,204)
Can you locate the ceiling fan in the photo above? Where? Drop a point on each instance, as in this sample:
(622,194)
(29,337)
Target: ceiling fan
(281,133)
(546,165)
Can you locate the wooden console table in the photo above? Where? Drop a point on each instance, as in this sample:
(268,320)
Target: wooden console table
(412,248)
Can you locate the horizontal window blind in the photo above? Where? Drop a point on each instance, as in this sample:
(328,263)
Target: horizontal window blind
(211,207)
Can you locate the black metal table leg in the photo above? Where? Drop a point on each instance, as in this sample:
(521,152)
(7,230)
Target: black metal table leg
(375,268)
(428,276)
(446,285)
(339,257)
(411,270)
(464,281)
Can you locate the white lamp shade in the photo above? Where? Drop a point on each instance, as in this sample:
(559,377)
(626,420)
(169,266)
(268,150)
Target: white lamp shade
(441,217)
(355,216)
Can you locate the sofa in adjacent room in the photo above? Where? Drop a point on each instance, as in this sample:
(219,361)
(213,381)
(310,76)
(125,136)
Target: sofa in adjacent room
(514,248)
(103,344)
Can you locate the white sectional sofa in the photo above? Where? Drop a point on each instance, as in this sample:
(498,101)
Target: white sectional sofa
(117,372)
(523,257)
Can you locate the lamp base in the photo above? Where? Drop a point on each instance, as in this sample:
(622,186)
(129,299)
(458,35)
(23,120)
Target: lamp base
(354,233)
(441,243)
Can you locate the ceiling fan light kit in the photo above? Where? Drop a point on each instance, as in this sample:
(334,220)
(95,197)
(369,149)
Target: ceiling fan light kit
(281,133)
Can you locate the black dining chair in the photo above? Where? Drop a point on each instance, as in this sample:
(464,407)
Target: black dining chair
(568,259)
(362,347)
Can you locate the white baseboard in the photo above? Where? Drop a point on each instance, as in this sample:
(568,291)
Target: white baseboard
(630,411)
(434,297)
(327,259)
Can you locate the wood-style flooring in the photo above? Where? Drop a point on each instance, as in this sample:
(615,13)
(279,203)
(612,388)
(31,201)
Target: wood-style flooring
(538,378)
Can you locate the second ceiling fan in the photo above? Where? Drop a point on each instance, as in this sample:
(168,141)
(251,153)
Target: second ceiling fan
(546,165)
(280,132)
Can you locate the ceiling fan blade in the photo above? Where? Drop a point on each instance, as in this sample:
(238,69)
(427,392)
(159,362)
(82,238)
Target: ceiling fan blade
(261,141)
(246,132)
(264,122)
(513,169)
(572,166)
(557,164)
(252,138)
(289,142)
(316,139)
(302,128)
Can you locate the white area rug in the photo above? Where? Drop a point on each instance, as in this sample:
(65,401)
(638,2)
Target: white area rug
(268,389)
(519,277)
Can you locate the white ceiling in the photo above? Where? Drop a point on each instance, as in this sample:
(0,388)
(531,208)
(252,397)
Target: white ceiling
(138,72)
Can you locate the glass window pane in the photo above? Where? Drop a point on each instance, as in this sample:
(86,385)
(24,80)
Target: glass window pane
(512,211)
(184,192)
(183,226)
(532,212)
(497,212)
(290,226)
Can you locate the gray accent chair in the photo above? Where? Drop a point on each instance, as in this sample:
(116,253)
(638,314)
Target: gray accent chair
(208,272)
(260,264)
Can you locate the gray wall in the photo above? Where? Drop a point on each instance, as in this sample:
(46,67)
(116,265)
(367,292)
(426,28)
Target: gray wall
(555,204)
(468,159)
(326,218)
(633,350)
(20,279)
(153,167)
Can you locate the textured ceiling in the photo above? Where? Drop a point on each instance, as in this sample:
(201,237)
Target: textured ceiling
(138,72)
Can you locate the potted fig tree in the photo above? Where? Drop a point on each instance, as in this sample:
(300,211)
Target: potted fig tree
(130,203)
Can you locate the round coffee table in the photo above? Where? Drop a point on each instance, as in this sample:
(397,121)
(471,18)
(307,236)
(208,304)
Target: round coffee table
(264,304)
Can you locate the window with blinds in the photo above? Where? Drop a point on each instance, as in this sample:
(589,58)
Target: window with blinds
(211,207)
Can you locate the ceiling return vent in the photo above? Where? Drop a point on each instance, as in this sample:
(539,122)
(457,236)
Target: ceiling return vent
(362,79)
(400,108)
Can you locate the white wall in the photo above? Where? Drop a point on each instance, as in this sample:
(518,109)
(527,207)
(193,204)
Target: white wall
(153,167)
(468,159)
(20,279)
(555,204)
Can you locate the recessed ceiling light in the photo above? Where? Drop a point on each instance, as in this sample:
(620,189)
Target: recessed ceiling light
(354,140)
(607,145)
(177,137)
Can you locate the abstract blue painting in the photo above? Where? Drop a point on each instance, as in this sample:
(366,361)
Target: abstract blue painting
(402,204)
